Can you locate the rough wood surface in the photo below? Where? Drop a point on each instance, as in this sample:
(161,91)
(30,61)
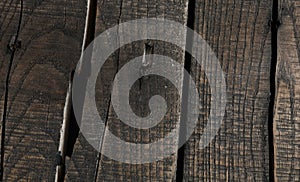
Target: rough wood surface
(51,34)
(286,115)
(238,31)
(110,13)
(239,34)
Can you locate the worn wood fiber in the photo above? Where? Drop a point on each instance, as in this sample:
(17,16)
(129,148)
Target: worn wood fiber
(110,13)
(239,33)
(240,36)
(286,115)
(51,34)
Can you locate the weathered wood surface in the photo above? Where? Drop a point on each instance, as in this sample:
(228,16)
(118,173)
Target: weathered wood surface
(51,34)
(239,34)
(238,31)
(287,102)
(146,87)
(110,13)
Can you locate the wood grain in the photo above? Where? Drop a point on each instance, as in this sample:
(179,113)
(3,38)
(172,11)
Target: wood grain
(240,36)
(142,91)
(51,33)
(110,13)
(286,116)
(239,33)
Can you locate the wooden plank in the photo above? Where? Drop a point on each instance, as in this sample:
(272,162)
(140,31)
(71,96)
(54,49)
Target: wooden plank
(142,91)
(239,34)
(8,55)
(9,24)
(51,33)
(286,115)
(109,14)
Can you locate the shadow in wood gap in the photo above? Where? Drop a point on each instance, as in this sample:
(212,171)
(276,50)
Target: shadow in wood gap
(89,36)
(12,47)
(275,23)
(68,135)
(185,90)
(70,126)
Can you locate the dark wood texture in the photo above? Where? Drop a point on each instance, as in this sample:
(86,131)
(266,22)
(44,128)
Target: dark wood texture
(51,34)
(238,31)
(286,116)
(240,36)
(164,170)
(110,13)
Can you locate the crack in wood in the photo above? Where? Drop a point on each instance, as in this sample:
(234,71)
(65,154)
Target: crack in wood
(275,23)
(5,103)
(185,90)
(64,143)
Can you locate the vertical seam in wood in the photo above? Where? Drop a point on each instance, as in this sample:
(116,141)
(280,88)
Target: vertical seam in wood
(5,103)
(109,104)
(89,35)
(185,89)
(88,38)
(64,135)
(90,26)
(274,30)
